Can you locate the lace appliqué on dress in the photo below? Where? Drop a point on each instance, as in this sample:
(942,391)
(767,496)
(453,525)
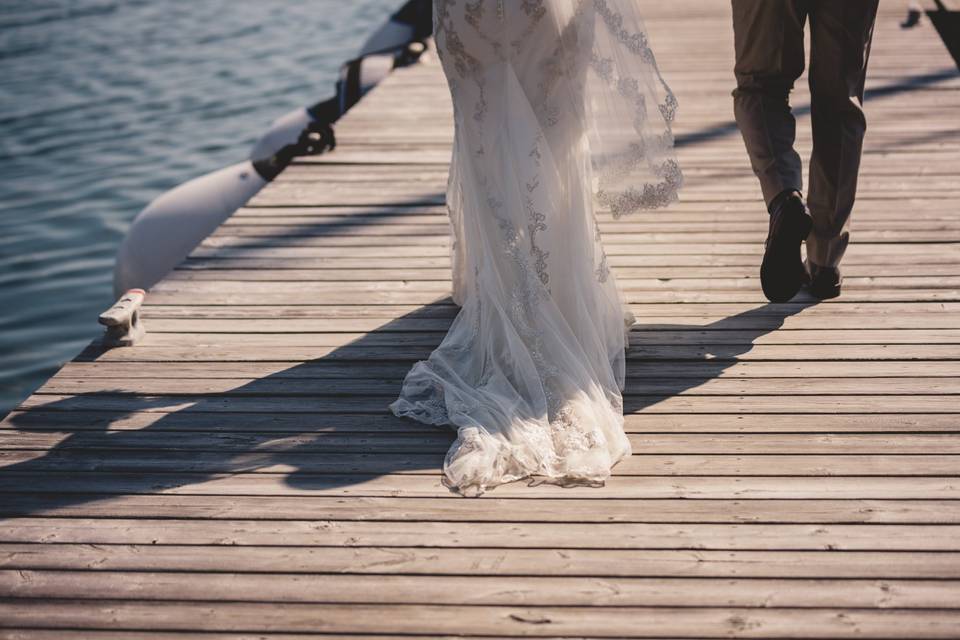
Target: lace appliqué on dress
(531,371)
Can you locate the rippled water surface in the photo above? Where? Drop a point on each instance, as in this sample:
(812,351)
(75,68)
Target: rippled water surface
(104,106)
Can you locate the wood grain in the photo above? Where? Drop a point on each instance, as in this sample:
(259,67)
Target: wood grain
(796,470)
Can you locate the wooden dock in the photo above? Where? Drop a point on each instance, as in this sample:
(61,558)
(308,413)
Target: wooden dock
(796,470)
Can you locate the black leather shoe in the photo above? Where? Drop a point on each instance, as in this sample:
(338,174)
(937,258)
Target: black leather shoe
(782,272)
(823,282)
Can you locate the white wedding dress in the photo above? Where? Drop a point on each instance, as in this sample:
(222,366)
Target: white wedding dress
(559,109)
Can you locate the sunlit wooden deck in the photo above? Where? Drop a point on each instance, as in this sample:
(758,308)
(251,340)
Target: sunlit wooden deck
(796,470)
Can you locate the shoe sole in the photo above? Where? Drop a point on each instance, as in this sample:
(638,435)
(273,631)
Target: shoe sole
(781,272)
(820,294)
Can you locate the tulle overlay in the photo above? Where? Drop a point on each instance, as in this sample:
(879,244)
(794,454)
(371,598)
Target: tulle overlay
(559,108)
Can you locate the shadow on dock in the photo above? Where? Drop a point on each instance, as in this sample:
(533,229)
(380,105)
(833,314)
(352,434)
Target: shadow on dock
(900,86)
(308,424)
(311,425)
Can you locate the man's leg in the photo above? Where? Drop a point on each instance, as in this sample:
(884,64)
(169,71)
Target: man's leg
(768,37)
(840,38)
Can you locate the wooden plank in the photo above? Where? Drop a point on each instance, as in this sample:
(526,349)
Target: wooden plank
(305,483)
(483,590)
(446,309)
(905,275)
(646,334)
(502,510)
(654,386)
(540,621)
(469,535)
(863,253)
(181,298)
(938,230)
(321,463)
(334,404)
(644,353)
(52,419)
(638,372)
(438,441)
(485,562)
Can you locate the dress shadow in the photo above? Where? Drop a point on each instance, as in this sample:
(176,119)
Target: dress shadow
(317,426)
(122,442)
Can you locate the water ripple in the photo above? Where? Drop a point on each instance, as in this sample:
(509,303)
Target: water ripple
(103,106)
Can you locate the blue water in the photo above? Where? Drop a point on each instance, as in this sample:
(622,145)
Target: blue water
(104,105)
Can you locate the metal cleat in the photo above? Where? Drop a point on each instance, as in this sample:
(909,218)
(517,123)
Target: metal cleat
(122,320)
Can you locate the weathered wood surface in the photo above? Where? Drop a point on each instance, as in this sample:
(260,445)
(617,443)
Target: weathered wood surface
(797,467)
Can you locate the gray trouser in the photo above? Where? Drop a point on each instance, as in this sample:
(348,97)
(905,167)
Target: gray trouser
(769,41)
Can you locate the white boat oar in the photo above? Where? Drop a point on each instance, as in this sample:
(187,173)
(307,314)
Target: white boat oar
(169,228)
(398,42)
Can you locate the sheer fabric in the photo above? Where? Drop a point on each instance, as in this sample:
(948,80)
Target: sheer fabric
(559,109)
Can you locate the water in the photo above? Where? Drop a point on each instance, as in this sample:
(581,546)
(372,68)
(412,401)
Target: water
(104,105)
